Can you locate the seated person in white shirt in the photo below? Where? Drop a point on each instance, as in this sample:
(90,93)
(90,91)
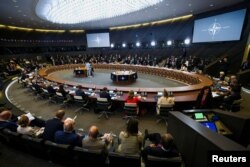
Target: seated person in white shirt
(23,126)
(165,99)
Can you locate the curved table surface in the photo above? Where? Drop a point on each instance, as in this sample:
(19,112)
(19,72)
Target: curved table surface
(194,82)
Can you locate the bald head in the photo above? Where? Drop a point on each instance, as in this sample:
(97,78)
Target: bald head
(93,132)
(60,114)
(5,115)
(167,140)
(68,125)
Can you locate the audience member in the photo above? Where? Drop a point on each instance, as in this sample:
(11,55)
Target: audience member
(204,98)
(93,142)
(165,99)
(245,65)
(23,126)
(53,125)
(5,122)
(104,94)
(132,98)
(63,91)
(68,135)
(224,65)
(161,146)
(130,141)
(80,92)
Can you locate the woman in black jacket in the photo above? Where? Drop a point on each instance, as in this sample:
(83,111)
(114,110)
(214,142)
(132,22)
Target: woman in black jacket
(204,99)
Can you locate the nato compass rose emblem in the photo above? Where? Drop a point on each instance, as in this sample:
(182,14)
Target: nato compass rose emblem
(215,28)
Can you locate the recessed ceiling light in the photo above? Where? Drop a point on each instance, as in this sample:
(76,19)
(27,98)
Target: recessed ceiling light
(211,5)
(16,6)
(14,1)
(167,4)
(10,17)
(190,5)
(24,15)
(19,11)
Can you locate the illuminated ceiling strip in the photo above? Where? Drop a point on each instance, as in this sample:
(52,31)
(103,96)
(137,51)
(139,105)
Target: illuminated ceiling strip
(39,30)
(44,30)
(152,23)
(76,31)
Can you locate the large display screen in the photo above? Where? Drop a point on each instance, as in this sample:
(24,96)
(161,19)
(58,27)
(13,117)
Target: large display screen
(223,27)
(96,40)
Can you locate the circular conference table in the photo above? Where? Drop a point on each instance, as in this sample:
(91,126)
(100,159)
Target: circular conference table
(193,82)
(123,76)
(80,72)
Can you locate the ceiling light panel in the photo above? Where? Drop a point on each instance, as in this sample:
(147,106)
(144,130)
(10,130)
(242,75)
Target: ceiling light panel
(80,11)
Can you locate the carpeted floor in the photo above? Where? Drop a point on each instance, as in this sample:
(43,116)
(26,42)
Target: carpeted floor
(23,98)
(102,77)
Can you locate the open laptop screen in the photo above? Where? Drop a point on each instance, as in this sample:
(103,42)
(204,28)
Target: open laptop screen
(198,116)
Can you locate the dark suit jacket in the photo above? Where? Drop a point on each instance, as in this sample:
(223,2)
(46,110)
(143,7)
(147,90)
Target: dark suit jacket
(208,101)
(9,125)
(80,92)
(72,139)
(51,126)
(104,94)
(159,152)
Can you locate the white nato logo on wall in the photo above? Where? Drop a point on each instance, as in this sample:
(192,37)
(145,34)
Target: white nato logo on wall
(80,11)
(215,29)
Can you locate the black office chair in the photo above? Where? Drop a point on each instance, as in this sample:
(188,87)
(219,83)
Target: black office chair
(130,110)
(124,160)
(235,106)
(104,105)
(89,158)
(83,102)
(164,110)
(34,146)
(59,153)
(163,162)
(13,139)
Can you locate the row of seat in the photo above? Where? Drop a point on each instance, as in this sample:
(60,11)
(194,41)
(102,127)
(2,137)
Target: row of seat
(77,156)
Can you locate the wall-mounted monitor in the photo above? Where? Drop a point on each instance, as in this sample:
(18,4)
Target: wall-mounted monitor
(223,27)
(97,40)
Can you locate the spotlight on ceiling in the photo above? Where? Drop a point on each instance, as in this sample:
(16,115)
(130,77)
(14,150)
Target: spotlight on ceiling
(138,44)
(112,45)
(153,43)
(123,45)
(187,41)
(169,43)
(79,11)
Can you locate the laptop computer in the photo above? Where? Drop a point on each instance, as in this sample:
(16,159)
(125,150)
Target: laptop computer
(210,125)
(200,117)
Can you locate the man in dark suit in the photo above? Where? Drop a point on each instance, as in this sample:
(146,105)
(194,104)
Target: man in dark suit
(104,94)
(53,125)
(68,135)
(80,92)
(5,122)
(162,146)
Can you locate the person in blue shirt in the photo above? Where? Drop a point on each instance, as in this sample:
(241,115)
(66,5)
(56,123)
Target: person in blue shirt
(68,135)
